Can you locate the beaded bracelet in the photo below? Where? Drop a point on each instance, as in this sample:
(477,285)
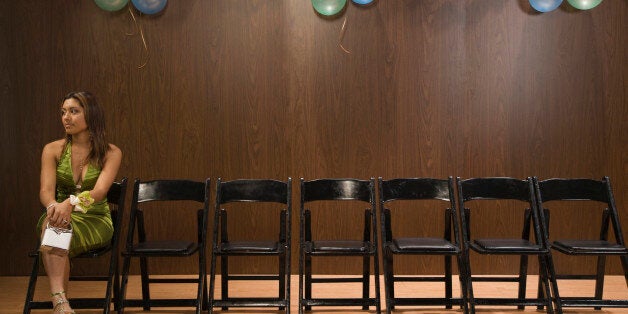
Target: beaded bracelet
(82,202)
(50,205)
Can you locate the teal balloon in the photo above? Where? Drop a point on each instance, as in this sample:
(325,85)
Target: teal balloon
(362,1)
(149,6)
(328,7)
(584,4)
(545,5)
(111,5)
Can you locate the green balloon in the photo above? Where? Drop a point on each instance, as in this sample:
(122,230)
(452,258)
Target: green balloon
(328,7)
(111,5)
(584,4)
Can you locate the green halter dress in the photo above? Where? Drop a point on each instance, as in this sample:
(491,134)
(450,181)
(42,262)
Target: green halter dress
(93,229)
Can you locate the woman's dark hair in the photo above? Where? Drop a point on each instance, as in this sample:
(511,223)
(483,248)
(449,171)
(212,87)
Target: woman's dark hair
(95,120)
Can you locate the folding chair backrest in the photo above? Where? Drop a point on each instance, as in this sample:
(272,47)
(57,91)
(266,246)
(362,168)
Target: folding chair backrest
(117,192)
(501,189)
(425,190)
(496,188)
(116,197)
(337,189)
(415,189)
(574,190)
(252,190)
(170,190)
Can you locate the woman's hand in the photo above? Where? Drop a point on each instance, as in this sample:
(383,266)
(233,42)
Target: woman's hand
(59,215)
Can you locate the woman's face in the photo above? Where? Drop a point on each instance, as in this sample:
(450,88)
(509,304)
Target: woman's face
(73,117)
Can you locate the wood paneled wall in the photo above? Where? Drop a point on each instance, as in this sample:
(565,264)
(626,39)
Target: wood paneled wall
(262,89)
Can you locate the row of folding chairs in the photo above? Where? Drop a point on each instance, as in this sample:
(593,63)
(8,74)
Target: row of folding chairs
(415,201)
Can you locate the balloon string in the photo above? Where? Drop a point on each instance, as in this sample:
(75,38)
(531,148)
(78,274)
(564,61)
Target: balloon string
(138,26)
(342,36)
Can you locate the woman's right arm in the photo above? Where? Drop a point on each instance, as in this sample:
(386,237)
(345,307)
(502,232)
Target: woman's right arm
(48,177)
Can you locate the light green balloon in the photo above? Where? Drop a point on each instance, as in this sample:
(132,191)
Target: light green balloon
(328,7)
(584,4)
(111,5)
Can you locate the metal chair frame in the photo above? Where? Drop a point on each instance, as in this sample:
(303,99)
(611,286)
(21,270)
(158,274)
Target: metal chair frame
(258,191)
(115,197)
(482,189)
(447,245)
(557,190)
(165,191)
(367,248)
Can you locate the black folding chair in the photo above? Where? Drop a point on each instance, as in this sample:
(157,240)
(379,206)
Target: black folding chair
(167,194)
(563,196)
(421,194)
(115,198)
(268,194)
(481,191)
(338,190)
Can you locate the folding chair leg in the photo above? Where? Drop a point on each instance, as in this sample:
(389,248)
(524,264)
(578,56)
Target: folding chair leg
(599,278)
(205,298)
(145,283)
(624,264)
(544,277)
(469,284)
(551,274)
(389,280)
(212,280)
(463,284)
(123,284)
(202,289)
(107,301)
(32,282)
(116,290)
(366,267)
(300,311)
(282,279)
(308,280)
(286,278)
(224,279)
(539,291)
(448,283)
(523,275)
(301,272)
(112,284)
(378,303)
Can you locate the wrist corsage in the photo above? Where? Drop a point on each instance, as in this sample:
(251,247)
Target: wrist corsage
(82,202)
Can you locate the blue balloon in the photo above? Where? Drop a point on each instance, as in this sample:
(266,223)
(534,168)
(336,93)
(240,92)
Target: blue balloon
(545,5)
(149,6)
(362,1)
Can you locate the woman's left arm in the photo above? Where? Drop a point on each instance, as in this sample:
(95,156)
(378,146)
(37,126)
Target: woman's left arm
(108,173)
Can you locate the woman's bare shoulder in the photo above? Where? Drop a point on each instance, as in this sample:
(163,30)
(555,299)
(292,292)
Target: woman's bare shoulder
(114,151)
(53,149)
(55,146)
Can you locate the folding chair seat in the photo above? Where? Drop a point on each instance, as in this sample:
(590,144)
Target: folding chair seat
(185,197)
(407,196)
(336,190)
(475,195)
(595,199)
(115,198)
(270,196)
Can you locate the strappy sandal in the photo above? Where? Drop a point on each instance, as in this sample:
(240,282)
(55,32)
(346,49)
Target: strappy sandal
(60,303)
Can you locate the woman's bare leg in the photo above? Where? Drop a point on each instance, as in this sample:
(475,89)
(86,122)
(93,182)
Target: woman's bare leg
(58,271)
